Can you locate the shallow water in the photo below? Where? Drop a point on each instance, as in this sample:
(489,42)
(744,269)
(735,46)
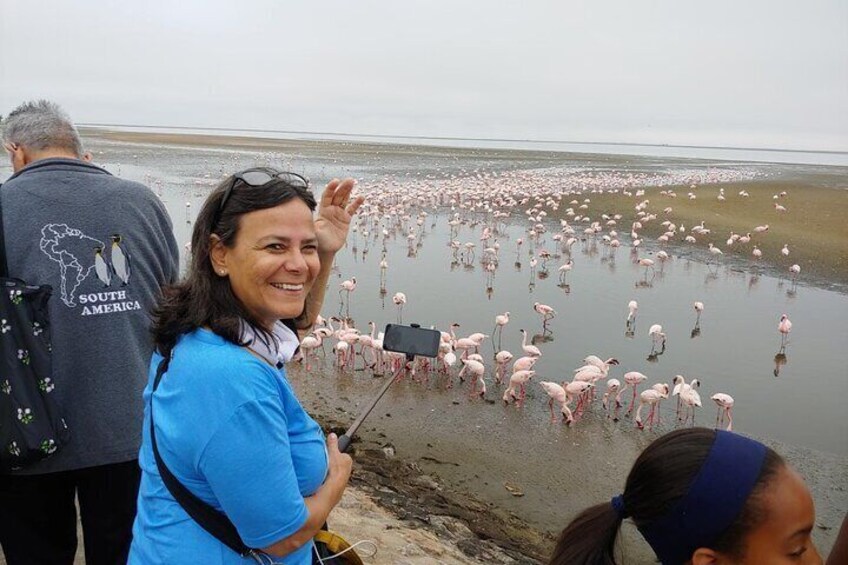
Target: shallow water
(480,444)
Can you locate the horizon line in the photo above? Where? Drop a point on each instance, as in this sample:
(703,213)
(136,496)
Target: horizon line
(451,138)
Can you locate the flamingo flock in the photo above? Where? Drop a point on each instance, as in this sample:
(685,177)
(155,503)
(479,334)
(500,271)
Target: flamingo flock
(573,397)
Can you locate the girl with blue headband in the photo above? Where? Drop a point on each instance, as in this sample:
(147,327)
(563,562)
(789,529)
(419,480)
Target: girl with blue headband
(702,497)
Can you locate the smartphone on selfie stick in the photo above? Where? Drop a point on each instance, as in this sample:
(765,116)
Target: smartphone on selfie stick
(412,340)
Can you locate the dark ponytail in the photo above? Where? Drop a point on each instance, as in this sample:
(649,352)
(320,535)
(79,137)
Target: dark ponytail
(660,477)
(589,538)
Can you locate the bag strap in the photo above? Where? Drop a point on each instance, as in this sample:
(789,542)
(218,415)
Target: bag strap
(4,268)
(214,522)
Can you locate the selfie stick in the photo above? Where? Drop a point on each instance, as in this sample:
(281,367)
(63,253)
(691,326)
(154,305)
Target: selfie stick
(344,441)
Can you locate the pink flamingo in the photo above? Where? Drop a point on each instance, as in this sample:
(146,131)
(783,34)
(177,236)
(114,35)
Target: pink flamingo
(501,359)
(691,400)
(579,390)
(632,308)
(680,385)
(699,307)
(647,263)
(613,386)
(632,379)
(556,393)
(545,311)
(564,270)
(347,286)
(517,380)
(656,334)
(476,369)
(651,397)
(308,345)
(524,363)
(500,321)
(530,349)
(784,327)
(725,407)
(399,300)
(367,342)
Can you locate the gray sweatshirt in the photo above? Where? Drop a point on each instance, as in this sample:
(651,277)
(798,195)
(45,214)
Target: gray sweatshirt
(106,246)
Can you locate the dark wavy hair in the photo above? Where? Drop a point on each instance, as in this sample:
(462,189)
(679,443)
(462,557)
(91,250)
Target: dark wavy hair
(203,298)
(659,478)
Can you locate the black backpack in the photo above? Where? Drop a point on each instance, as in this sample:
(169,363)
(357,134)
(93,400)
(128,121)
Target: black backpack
(31,427)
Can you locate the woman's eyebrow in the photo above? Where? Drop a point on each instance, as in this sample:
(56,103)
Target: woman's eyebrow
(287,240)
(803,531)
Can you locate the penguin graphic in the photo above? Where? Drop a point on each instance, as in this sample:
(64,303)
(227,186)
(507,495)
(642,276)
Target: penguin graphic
(120,259)
(101,267)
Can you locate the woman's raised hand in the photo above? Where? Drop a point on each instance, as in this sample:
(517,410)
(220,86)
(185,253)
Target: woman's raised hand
(334,214)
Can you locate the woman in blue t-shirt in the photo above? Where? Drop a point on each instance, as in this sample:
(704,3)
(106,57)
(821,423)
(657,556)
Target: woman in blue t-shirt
(227,423)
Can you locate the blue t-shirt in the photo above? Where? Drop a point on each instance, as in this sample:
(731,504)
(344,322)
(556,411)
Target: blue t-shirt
(230,428)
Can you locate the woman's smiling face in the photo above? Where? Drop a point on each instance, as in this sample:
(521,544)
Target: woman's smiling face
(273,261)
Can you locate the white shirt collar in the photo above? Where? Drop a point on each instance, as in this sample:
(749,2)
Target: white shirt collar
(277,353)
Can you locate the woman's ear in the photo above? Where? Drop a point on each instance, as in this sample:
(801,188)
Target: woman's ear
(218,255)
(705,556)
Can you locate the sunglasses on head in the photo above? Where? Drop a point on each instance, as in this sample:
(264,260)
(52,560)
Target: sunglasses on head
(259,177)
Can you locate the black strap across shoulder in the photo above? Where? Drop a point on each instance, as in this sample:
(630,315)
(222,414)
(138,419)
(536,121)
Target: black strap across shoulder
(210,519)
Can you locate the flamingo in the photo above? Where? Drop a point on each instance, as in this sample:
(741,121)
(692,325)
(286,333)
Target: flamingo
(784,327)
(517,380)
(632,379)
(530,349)
(647,263)
(785,250)
(699,307)
(633,307)
(347,286)
(651,397)
(524,363)
(564,270)
(602,365)
(716,252)
(502,358)
(500,321)
(476,369)
(576,389)
(545,311)
(725,403)
(691,399)
(656,334)
(613,386)
(556,393)
(368,341)
(399,300)
(795,270)
(308,345)
(679,383)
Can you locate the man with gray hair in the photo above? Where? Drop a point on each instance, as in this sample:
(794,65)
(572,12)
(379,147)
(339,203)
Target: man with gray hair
(106,246)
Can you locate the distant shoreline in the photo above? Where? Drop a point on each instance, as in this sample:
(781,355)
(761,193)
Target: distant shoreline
(261,138)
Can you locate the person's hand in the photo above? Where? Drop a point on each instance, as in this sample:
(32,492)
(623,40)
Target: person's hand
(341,464)
(334,214)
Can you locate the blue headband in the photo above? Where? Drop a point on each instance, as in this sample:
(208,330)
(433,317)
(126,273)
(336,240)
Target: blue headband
(713,501)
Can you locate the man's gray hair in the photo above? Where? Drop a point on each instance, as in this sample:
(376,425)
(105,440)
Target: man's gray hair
(40,125)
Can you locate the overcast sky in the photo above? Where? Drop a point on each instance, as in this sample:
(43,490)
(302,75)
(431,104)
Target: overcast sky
(740,73)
